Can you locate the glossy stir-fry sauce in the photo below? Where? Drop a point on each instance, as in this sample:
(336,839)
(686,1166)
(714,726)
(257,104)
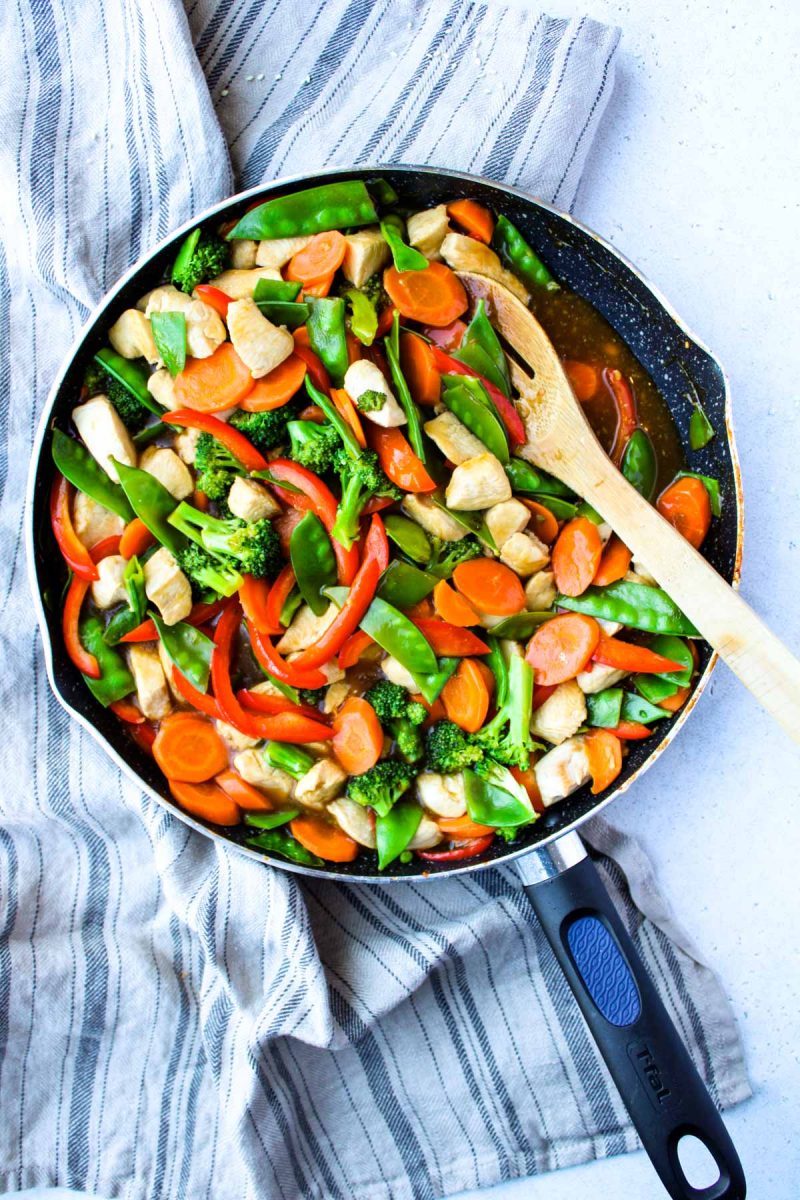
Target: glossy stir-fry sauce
(312,566)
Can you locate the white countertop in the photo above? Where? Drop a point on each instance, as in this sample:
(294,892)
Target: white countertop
(695,177)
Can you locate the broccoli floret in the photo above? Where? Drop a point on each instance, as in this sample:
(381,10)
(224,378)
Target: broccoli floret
(313,696)
(133,414)
(265,430)
(361,478)
(507,737)
(95,379)
(312,445)
(447,555)
(287,758)
(254,546)
(371,400)
(208,259)
(448,749)
(381,786)
(400,716)
(207,572)
(216,467)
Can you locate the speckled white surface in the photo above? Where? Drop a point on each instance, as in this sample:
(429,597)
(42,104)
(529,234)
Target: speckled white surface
(696,177)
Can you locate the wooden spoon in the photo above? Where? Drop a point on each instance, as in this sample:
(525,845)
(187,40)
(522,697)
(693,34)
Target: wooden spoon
(561,441)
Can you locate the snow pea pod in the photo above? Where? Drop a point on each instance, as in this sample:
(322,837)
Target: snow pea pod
(659,687)
(395,830)
(383,192)
(398,636)
(128,618)
(314,210)
(115,680)
(430,686)
(313,561)
(511,246)
(363,316)
(132,374)
(604,708)
(271,820)
(489,803)
(529,480)
(77,465)
(337,421)
(277,841)
(561,509)
(401,389)
(169,335)
(290,607)
(639,463)
(653,687)
(328,335)
(404,585)
(480,349)
(636,708)
(408,537)
(701,431)
(405,257)
(284,312)
(276,289)
(521,626)
(478,418)
(188,649)
(185,253)
(632,604)
(151,501)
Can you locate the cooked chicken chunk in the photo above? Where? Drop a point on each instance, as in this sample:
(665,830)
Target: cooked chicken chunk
(306,629)
(109,589)
(561,715)
(641,573)
(240,285)
(324,782)
(332,671)
(186,444)
(540,591)
(525,554)
(505,519)
(161,387)
(433,519)
(427,230)
(395,672)
(167,586)
(275,783)
(478,483)
(205,329)
(427,836)
(466,254)
(132,337)
(335,696)
(165,466)
(599,678)
(276,252)
(354,820)
(261,345)
(243,254)
(365,254)
(444,795)
(453,438)
(167,668)
(562,770)
(93,521)
(151,685)
(363,376)
(104,434)
(233,738)
(251,501)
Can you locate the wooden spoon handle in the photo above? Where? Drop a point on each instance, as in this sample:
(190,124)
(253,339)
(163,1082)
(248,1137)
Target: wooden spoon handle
(726,621)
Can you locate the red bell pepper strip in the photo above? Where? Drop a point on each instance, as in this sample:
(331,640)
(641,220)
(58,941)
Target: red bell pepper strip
(83,660)
(627,419)
(199,700)
(541,691)
(72,548)
(508,413)
(398,460)
(353,648)
(200,614)
(279,593)
(385,321)
(631,731)
(136,538)
(214,296)
(240,446)
(448,337)
(106,546)
(144,735)
(285,672)
(254,596)
(625,656)
(127,712)
(449,640)
(470,849)
(316,371)
(317,496)
(360,596)
(263,702)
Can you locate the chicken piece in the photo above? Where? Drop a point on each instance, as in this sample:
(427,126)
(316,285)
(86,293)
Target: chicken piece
(151,684)
(104,435)
(525,554)
(325,781)
(166,466)
(167,587)
(161,387)
(132,337)
(631,576)
(395,672)
(363,376)
(562,770)
(251,501)
(642,574)
(166,666)
(306,629)
(489,620)
(233,738)
(444,795)
(427,836)
(561,715)
(427,230)
(433,519)
(243,254)
(109,589)
(354,820)
(466,254)
(365,253)
(505,519)
(599,678)
(335,696)
(260,345)
(478,483)
(276,252)
(93,521)
(275,783)
(240,285)
(454,439)
(332,671)
(266,687)
(185,445)
(205,329)
(609,628)
(540,591)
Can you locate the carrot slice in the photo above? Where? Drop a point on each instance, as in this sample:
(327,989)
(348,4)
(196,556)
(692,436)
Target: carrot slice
(685,504)
(452,607)
(676,702)
(529,781)
(189,749)
(136,538)
(320,288)
(347,409)
(322,256)
(490,586)
(466,697)
(246,796)
(398,460)
(626,656)
(434,296)
(561,648)
(576,556)
(614,563)
(474,218)
(277,388)
(632,731)
(419,369)
(604,753)
(357,736)
(545,525)
(583,377)
(463,827)
(205,801)
(323,839)
(211,384)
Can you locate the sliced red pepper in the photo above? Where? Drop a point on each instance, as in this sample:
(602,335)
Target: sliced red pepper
(144,735)
(353,648)
(72,548)
(627,419)
(83,660)
(449,640)
(263,702)
(293,727)
(127,712)
(360,596)
(631,731)
(105,547)
(376,504)
(470,849)
(199,700)
(277,666)
(317,496)
(254,595)
(213,296)
(240,447)
(385,321)
(200,614)
(279,593)
(625,656)
(508,413)
(541,691)
(449,337)
(316,371)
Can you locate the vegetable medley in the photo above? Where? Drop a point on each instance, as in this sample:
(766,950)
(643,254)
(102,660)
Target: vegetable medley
(310,566)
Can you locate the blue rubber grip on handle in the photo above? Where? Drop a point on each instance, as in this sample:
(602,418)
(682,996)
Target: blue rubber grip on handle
(604,971)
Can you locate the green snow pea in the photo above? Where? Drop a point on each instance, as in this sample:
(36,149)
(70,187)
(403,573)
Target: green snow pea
(430,686)
(473,521)
(128,618)
(496,661)
(314,210)
(511,246)
(271,820)
(169,335)
(636,708)
(478,418)
(712,487)
(132,374)
(153,504)
(701,431)
(267,290)
(150,433)
(585,510)
(77,465)
(561,509)
(632,604)
(401,390)
(604,708)
(185,253)
(530,481)
(653,687)
(328,335)
(283,312)
(277,841)
(363,316)
(658,687)
(383,192)
(290,607)
(188,649)
(394,831)
(490,803)
(408,537)
(639,463)
(399,636)
(405,257)
(115,680)
(313,561)
(521,626)
(481,349)
(336,419)
(404,585)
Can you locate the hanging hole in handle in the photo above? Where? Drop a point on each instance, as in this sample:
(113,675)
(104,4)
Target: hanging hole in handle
(698,1164)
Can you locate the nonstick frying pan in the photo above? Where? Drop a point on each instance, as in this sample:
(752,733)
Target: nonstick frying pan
(650,1065)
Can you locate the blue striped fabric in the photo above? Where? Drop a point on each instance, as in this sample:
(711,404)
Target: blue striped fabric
(175,1022)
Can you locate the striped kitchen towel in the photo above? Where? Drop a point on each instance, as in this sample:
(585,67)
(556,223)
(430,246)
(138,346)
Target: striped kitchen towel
(177,1022)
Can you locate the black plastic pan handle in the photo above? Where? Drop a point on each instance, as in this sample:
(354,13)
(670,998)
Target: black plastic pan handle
(656,1078)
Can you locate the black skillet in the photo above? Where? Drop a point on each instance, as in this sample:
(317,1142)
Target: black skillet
(656,1078)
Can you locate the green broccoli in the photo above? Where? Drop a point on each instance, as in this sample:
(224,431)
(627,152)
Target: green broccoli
(313,696)
(287,758)
(371,400)
(361,478)
(254,546)
(447,555)
(133,414)
(216,467)
(400,716)
(199,258)
(507,737)
(448,749)
(381,786)
(312,445)
(265,430)
(208,572)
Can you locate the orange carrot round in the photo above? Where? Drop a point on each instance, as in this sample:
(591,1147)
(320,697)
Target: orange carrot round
(452,607)
(434,296)
(277,388)
(189,749)
(685,504)
(583,377)
(325,840)
(246,796)
(205,801)
(346,409)
(463,827)
(545,525)
(676,702)
(576,556)
(357,736)
(466,697)
(211,384)
(604,752)
(419,368)
(529,781)
(490,586)
(135,539)
(561,648)
(474,218)
(323,255)
(614,563)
